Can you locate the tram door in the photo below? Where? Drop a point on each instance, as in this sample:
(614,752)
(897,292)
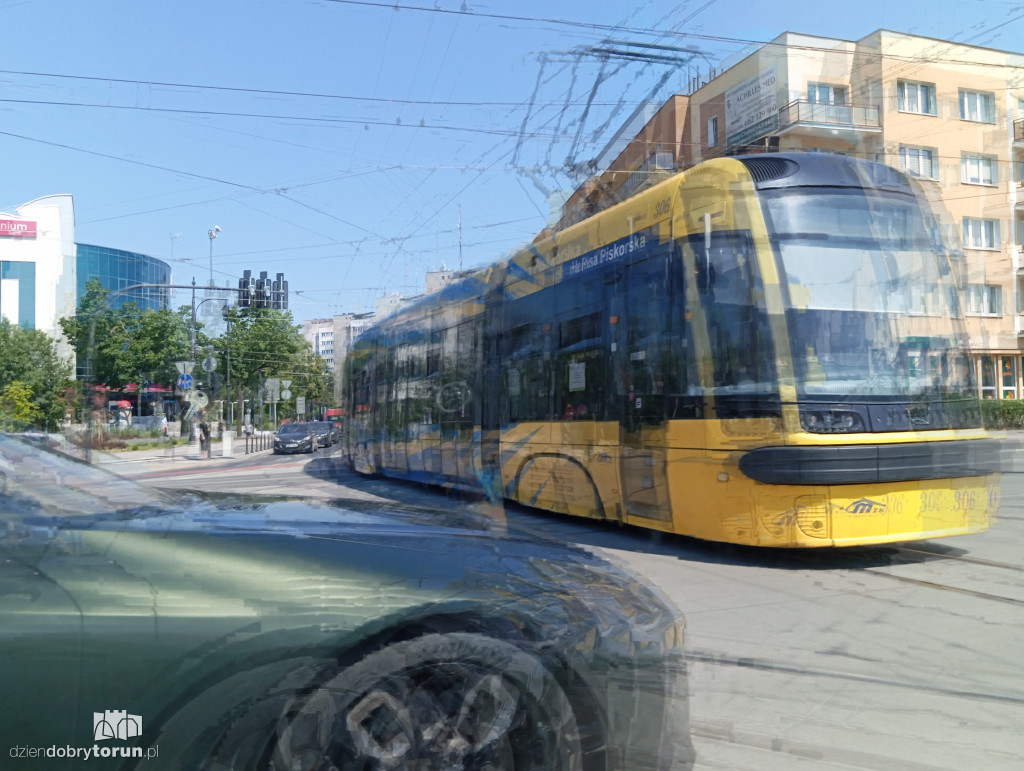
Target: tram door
(642,358)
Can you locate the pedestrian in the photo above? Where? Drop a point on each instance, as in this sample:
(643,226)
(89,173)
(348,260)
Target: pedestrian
(204,438)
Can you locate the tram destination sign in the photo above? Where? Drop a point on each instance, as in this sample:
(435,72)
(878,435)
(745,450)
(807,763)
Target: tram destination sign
(613,252)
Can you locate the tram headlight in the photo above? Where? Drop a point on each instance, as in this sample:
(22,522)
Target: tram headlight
(831,421)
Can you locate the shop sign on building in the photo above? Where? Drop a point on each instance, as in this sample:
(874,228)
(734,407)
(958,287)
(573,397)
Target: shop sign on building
(18,228)
(752,108)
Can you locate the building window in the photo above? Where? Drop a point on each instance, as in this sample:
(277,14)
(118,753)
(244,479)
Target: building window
(919,161)
(916,97)
(1008,376)
(980,233)
(823,93)
(985,298)
(978,169)
(712,131)
(988,377)
(977,106)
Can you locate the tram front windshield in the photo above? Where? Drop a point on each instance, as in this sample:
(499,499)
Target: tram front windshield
(872,306)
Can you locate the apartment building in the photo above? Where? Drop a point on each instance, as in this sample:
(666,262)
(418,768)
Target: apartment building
(948,113)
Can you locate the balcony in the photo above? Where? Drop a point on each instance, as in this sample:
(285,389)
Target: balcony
(844,121)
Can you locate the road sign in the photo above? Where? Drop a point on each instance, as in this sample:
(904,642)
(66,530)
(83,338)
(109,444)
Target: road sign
(286,394)
(184,367)
(300,405)
(185,382)
(209,364)
(286,384)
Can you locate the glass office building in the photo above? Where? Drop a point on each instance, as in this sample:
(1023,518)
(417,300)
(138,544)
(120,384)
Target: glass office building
(117,269)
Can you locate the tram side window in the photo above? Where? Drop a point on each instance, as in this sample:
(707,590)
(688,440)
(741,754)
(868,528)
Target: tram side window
(527,373)
(420,405)
(579,369)
(360,379)
(651,354)
(732,295)
(458,378)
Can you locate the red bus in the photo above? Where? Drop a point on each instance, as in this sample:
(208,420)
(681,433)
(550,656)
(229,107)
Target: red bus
(336,416)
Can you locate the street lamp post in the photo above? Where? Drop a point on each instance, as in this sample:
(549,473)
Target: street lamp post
(213,234)
(195,308)
(226,311)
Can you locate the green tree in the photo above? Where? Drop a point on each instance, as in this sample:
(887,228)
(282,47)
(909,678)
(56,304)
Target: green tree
(88,343)
(264,343)
(118,346)
(16,403)
(312,378)
(33,376)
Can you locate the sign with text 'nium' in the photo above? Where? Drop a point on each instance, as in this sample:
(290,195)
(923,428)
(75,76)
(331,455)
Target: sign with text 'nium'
(18,228)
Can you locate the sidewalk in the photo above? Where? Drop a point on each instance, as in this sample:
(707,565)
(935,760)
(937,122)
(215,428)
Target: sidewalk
(183,456)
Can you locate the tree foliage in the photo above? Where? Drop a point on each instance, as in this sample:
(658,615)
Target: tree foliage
(118,346)
(33,376)
(266,343)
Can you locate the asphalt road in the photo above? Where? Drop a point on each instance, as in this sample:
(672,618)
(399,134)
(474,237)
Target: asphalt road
(899,657)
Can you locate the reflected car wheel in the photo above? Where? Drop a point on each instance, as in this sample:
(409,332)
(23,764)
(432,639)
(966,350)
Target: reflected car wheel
(453,701)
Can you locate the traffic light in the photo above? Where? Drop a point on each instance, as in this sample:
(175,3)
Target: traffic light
(262,297)
(279,298)
(245,286)
(262,292)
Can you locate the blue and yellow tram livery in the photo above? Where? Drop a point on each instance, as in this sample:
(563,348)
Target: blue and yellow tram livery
(763,350)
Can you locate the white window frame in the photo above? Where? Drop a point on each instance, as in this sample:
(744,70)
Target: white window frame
(980,233)
(713,131)
(977,106)
(985,299)
(910,94)
(979,169)
(832,94)
(914,159)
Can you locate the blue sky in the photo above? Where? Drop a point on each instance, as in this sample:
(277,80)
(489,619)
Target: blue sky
(343,143)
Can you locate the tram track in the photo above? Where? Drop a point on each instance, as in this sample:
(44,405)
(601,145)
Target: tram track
(961,558)
(945,587)
(914,555)
(717,659)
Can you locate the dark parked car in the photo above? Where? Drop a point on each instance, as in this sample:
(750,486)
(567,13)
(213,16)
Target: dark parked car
(324,433)
(189,634)
(295,437)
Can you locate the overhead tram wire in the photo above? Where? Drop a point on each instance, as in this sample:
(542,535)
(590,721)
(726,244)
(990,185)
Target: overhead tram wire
(269,116)
(260,91)
(394,6)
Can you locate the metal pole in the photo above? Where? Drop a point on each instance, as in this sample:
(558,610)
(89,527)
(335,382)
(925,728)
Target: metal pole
(192,414)
(212,232)
(231,404)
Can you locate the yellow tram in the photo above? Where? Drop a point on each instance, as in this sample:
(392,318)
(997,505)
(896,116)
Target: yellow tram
(762,350)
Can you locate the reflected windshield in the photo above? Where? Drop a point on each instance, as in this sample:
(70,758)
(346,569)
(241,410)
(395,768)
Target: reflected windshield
(873,310)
